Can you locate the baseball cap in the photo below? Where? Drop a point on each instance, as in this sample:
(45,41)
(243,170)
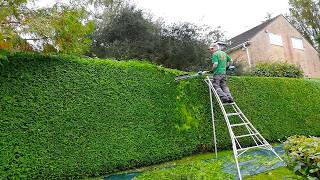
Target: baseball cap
(212,45)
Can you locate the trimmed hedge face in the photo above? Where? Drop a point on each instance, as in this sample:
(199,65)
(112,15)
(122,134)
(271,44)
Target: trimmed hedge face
(66,117)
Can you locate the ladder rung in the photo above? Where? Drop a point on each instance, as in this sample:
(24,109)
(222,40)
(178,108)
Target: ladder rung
(233,125)
(247,148)
(233,114)
(228,103)
(246,135)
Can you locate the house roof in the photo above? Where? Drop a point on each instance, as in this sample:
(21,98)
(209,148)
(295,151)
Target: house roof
(246,36)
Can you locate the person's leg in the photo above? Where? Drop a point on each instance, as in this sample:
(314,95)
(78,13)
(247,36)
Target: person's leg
(225,89)
(216,82)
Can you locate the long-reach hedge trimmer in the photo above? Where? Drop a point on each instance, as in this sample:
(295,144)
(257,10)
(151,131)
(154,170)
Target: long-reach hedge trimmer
(187,76)
(200,73)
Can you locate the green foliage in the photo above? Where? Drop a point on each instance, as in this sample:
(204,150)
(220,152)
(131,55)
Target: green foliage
(204,166)
(276,174)
(304,15)
(182,47)
(241,69)
(127,33)
(81,117)
(67,117)
(277,70)
(304,155)
(194,170)
(200,166)
(71,35)
(62,28)
(3,57)
(10,15)
(278,107)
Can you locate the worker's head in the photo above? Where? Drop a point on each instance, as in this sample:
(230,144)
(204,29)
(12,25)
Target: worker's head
(214,47)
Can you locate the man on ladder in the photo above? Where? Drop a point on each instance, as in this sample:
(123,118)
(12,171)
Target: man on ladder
(218,88)
(220,59)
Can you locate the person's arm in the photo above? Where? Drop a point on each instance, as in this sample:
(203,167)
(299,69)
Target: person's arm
(213,67)
(229,61)
(215,62)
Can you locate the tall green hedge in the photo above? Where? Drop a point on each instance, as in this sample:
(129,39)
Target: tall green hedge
(69,117)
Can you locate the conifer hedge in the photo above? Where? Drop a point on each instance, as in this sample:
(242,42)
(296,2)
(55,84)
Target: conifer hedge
(70,117)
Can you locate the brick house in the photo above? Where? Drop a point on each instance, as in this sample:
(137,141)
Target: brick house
(275,40)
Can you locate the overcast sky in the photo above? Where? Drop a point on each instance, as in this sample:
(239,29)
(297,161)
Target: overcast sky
(234,16)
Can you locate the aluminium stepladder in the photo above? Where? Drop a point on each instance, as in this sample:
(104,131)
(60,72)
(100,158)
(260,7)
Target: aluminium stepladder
(245,124)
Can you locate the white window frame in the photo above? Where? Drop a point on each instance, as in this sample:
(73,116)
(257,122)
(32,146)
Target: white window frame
(297,43)
(275,39)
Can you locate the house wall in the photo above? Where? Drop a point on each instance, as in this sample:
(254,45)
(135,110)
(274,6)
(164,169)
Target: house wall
(240,56)
(262,51)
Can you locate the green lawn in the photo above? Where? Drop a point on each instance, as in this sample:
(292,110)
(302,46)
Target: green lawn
(206,166)
(277,174)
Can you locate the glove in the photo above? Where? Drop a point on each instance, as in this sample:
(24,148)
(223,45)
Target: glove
(202,72)
(231,68)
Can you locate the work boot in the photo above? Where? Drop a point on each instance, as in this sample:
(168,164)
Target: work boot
(230,100)
(224,99)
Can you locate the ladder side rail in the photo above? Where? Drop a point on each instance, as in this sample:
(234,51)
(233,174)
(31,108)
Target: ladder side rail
(251,131)
(247,149)
(274,152)
(263,139)
(254,129)
(213,124)
(222,108)
(243,152)
(252,147)
(245,119)
(238,143)
(260,138)
(235,152)
(246,122)
(219,101)
(254,137)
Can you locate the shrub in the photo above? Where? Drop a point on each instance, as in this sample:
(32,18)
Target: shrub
(3,56)
(277,70)
(240,69)
(304,155)
(66,117)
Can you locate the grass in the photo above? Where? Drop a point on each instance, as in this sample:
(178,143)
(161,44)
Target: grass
(280,173)
(206,166)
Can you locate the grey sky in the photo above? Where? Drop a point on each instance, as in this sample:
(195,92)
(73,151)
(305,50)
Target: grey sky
(234,16)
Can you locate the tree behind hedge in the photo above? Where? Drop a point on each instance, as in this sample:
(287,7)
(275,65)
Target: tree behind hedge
(305,16)
(62,28)
(124,34)
(127,33)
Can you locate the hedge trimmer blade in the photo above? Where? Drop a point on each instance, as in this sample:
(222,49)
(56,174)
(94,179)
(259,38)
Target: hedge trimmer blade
(187,76)
(182,77)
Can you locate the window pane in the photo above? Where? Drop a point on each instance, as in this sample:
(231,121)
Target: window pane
(275,39)
(297,43)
